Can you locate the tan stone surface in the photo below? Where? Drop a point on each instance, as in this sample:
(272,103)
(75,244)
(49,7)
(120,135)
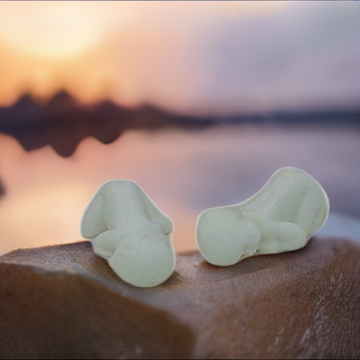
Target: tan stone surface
(64,301)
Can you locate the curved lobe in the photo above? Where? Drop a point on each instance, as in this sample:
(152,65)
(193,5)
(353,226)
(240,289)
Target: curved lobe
(131,233)
(282,216)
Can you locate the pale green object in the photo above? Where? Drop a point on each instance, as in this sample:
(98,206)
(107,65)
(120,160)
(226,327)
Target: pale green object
(282,216)
(128,230)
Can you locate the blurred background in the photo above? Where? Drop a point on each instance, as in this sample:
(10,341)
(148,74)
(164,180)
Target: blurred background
(198,102)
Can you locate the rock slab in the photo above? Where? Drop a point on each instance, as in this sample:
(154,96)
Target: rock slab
(66,302)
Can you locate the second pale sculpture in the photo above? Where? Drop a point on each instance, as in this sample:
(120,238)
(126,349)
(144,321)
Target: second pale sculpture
(281,217)
(131,233)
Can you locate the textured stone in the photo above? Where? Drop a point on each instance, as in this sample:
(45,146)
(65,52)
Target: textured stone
(65,301)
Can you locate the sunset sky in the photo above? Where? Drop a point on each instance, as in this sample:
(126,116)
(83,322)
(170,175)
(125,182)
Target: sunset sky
(195,58)
(187,57)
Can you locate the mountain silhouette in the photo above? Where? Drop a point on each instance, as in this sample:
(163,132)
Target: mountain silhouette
(2,188)
(62,102)
(63,122)
(23,112)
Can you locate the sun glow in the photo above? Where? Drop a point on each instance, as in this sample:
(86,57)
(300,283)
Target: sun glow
(53,30)
(186,57)
(97,49)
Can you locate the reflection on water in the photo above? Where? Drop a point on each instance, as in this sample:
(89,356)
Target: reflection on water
(183,172)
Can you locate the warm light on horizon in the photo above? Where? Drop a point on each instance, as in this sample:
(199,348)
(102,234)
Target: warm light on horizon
(48,44)
(190,57)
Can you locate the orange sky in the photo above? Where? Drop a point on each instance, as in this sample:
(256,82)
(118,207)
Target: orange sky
(192,57)
(47,46)
(50,46)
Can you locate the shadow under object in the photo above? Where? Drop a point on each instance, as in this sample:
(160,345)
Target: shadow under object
(66,302)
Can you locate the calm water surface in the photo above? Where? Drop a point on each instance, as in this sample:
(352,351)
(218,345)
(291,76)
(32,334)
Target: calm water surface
(183,172)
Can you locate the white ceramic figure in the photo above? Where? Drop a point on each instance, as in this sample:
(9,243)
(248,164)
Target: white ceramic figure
(281,217)
(131,233)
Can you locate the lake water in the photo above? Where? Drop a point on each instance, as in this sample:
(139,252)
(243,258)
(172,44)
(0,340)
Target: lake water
(183,172)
